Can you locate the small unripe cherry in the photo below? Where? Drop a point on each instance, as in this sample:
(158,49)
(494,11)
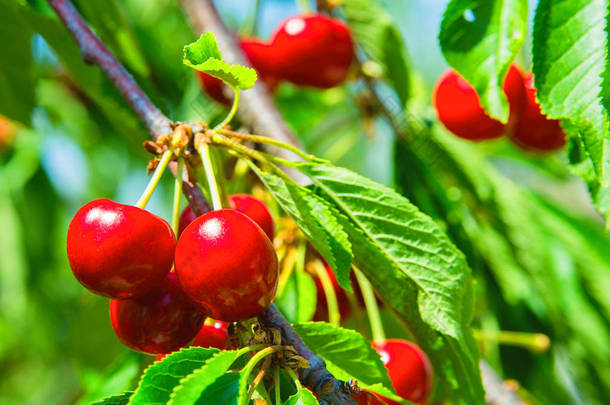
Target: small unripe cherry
(117,250)
(157,323)
(226,265)
(535,132)
(459,108)
(313,50)
(256,210)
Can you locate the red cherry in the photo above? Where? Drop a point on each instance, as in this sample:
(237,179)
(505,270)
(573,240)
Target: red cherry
(255,209)
(408,368)
(535,132)
(321,313)
(313,50)
(119,251)
(212,336)
(186,218)
(227,265)
(260,57)
(160,322)
(459,108)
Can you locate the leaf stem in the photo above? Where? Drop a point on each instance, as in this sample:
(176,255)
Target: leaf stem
(208,166)
(154,180)
(334,316)
(177,196)
(372,309)
(268,141)
(232,112)
(536,342)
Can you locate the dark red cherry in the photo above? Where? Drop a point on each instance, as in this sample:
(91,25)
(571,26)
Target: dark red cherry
(160,322)
(459,108)
(212,336)
(313,50)
(226,265)
(535,132)
(408,369)
(321,313)
(186,218)
(119,251)
(256,210)
(260,57)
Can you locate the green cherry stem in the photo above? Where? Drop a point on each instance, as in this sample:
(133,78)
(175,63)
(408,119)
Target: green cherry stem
(247,370)
(304,4)
(232,112)
(177,196)
(372,309)
(295,378)
(535,342)
(208,166)
(276,384)
(154,180)
(268,141)
(334,317)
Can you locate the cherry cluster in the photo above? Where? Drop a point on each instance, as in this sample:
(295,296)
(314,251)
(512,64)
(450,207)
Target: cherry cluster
(459,108)
(306,50)
(223,266)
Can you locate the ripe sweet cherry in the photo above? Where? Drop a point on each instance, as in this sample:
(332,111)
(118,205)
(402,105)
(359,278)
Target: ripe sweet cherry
(408,368)
(256,210)
(459,108)
(313,50)
(261,58)
(119,251)
(160,322)
(226,265)
(208,336)
(186,218)
(535,132)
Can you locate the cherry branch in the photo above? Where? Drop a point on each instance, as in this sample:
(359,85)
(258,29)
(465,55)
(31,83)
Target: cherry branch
(328,389)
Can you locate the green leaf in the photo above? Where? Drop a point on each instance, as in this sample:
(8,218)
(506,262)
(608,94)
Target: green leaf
(121,399)
(224,390)
(348,356)
(17,81)
(479,39)
(297,300)
(161,377)
(379,37)
(190,389)
(203,55)
(316,219)
(302,397)
(573,33)
(414,268)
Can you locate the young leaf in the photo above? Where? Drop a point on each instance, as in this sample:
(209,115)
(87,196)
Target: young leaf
(317,221)
(381,40)
(573,32)
(414,268)
(17,68)
(161,377)
(190,388)
(480,39)
(348,356)
(203,55)
(298,299)
(121,399)
(302,397)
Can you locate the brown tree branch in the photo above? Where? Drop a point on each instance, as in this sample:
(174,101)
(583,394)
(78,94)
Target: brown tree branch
(328,389)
